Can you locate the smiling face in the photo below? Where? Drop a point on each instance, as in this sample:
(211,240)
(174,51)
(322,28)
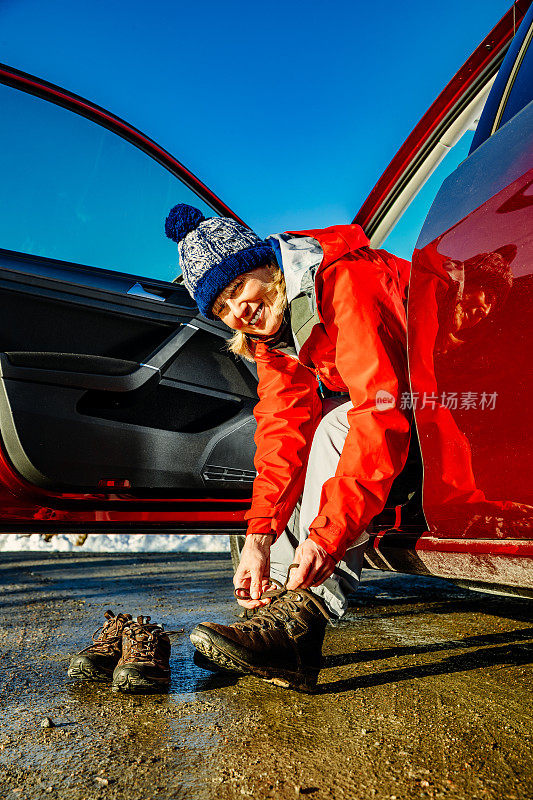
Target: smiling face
(465,313)
(248,304)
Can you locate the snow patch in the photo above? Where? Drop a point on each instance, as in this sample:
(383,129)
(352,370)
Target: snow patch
(119,543)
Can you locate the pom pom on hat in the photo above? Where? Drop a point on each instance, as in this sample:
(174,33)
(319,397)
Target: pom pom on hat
(181,220)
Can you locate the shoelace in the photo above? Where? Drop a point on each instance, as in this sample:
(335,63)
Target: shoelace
(286,602)
(145,638)
(103,637)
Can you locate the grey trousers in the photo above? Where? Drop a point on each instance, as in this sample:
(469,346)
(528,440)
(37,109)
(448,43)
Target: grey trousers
(326,449)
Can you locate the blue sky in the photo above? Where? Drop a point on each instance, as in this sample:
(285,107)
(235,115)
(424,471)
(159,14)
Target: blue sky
(288,111)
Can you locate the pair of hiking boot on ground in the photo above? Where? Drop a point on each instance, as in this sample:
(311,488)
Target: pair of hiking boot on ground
(281,643)
(133,653)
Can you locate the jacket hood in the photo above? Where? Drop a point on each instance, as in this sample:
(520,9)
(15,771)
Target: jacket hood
(337,240)
(302,255)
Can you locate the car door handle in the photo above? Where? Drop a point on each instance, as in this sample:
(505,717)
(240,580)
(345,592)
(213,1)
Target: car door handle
(137,290)
(96,373)
(163,294)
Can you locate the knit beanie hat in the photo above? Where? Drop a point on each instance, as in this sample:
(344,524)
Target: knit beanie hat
(213,252)
(492,271)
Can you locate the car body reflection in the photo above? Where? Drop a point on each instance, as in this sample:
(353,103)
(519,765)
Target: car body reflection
(470,361)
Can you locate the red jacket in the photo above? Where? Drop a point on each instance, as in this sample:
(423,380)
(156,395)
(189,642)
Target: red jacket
(359,347)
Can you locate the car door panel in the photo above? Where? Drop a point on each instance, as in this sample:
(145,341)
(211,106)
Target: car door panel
(103,388)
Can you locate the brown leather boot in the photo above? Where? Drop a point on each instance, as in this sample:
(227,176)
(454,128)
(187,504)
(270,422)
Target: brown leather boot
(97,662)
(282,643)
(144,665)
(201,661)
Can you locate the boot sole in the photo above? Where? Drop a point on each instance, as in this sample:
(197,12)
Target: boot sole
(131,683)
(204,662)
(214,656)
(89,674)
(284,678)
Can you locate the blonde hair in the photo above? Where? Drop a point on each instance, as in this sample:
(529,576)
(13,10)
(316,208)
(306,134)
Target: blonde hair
(240,343)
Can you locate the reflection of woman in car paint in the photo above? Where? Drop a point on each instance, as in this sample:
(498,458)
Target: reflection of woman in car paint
(448,299)
(476,288)
(318,311)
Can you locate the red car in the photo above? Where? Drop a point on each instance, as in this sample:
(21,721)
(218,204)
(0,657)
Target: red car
(120,410)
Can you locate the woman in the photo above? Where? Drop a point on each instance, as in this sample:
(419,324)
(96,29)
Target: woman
(323,317)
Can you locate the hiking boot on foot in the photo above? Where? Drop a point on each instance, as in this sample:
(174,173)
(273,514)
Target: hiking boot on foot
(97,662)
(201,660)
(282,643)
(144,665)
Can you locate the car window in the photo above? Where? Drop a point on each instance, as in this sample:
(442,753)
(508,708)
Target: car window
(491,118)
(402,238)
(521,92)
(74,191)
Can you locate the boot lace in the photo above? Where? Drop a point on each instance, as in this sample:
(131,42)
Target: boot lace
(283,603)
(145,639)
(109,634)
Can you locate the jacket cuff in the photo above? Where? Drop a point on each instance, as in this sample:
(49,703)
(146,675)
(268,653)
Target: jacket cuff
(329,536)
(278,517)
(260,525)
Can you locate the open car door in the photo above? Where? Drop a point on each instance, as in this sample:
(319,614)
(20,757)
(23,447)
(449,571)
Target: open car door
(118,403)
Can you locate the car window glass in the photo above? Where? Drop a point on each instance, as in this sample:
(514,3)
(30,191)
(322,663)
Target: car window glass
(74,191)
(402,239)
(492,107)
(521,93)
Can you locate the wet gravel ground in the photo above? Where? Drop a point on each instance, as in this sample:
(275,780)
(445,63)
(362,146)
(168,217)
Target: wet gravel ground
(426,692)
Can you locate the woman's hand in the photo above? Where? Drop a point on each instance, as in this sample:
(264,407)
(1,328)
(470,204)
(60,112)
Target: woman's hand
(315,565)
(253,572)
